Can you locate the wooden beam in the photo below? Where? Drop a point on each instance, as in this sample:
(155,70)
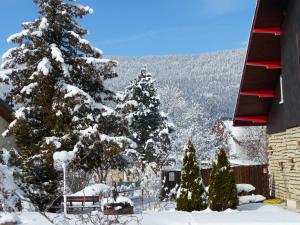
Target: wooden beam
(253,119)
(266,64)
(250,125)
(260,94)
(268,30)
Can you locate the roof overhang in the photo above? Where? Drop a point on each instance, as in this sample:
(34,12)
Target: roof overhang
(262,67)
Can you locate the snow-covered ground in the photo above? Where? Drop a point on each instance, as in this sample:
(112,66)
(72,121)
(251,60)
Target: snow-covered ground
(245,215)
(251,214)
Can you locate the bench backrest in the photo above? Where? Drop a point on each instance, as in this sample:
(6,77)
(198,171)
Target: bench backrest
(83,198)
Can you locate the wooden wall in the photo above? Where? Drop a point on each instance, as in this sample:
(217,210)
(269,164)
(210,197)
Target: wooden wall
(286,115)
(255,175)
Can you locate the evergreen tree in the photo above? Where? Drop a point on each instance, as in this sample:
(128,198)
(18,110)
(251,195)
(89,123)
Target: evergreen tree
(148,126)
(191,195)
(59,97)
(222,192)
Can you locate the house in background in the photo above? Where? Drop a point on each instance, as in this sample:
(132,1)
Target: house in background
(6,118)
(270,91)
(242,144)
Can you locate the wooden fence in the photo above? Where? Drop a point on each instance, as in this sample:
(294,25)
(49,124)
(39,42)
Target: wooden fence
(256,175)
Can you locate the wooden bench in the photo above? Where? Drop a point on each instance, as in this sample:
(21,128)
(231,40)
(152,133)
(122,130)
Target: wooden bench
(58,204)
(82,199)
(76,199)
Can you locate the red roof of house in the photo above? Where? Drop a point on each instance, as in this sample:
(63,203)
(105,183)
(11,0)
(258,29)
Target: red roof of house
(262,66)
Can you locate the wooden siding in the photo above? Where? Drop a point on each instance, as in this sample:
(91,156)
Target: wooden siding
(255,175)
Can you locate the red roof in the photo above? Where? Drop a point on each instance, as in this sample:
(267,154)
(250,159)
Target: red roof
(262,66)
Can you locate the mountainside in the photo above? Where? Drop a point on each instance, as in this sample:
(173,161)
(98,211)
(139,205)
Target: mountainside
(194,91)
(210,80)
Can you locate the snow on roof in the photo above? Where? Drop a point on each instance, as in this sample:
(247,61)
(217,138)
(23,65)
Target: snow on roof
(171,169)
(237,132)
(243,162)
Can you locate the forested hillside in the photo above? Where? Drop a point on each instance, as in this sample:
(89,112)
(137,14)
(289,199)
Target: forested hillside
(194,90)
(211,79)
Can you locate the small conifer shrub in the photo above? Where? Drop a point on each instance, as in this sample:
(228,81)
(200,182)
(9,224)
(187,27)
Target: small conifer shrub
(191,194)
(222,192)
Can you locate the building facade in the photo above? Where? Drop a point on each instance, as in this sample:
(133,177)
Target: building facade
(270,91)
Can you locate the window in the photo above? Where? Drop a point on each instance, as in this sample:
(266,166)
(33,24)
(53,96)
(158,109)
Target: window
(281,91)
(171,176)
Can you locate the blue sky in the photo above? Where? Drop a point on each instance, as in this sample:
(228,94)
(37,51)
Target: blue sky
(150,27)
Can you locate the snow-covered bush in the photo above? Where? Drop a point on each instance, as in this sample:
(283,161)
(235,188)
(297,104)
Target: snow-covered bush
(120,199)
(120,205)
(191,195)
(9,219)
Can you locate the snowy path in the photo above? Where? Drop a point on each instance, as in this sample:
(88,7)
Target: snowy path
(252,214)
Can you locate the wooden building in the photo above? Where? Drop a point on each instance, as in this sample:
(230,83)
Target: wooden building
(243,145)
(270,91)
(171,178)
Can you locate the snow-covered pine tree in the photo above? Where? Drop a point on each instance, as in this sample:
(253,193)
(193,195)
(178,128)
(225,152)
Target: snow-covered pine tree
(106,147)
(191,195)
(222,192)
(148,126)
(58,96)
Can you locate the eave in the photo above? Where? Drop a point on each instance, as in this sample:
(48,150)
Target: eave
(262,67)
